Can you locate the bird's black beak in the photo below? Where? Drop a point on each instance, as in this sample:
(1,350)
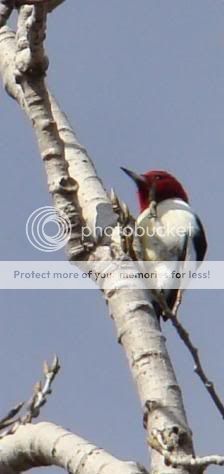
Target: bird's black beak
(139,179)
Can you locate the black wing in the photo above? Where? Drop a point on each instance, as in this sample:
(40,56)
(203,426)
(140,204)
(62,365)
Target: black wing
(200,241)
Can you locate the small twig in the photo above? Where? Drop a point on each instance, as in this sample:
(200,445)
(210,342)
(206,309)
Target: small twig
(184,335)
(41,390)
(191,462)
(188,462)
(121,209)
(11,421)
(8,419)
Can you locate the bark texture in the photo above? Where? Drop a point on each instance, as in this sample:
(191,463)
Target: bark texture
(46,444)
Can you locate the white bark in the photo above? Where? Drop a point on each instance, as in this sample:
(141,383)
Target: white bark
(66,162)
(93,199)
(46,444)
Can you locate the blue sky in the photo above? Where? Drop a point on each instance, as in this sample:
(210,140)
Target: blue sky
(143,84)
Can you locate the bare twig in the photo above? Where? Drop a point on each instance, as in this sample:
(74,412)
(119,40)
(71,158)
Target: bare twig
(41,390)
(190,462)
(199,370)
(121,209)
(185,337)
(8,419)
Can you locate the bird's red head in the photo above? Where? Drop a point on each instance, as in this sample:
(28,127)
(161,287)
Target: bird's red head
(156,185)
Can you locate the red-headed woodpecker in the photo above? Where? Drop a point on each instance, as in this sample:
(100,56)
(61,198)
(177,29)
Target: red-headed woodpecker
(171,232)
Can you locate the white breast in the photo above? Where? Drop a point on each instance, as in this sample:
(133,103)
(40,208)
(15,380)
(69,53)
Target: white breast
(163,237)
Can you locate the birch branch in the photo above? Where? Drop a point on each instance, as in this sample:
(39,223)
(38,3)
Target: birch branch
(26,84)
(67,163)
(198,368)
(137,327)
(45,444)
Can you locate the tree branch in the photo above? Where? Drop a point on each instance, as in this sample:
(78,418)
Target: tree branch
(198,368)
(137,327)
(193,463)
(11,422)
(45,444)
